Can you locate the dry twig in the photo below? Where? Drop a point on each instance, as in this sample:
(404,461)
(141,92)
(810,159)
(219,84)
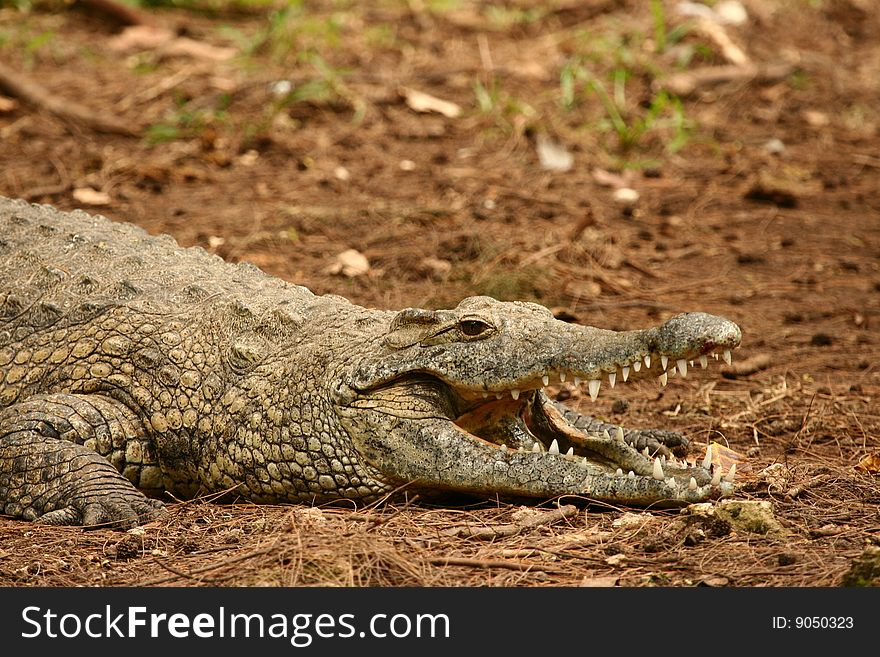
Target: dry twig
(514,528)
(688,82)
(35,94)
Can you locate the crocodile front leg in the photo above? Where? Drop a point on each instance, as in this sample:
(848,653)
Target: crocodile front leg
(52,469)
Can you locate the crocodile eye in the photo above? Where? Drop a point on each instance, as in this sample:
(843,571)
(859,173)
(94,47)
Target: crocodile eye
(473,327)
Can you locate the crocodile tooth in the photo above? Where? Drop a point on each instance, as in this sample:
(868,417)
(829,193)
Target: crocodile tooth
(726,356)
(682,366)
(704,362)
(631,474)
(545,380)
(619,472)
(520,450)
(692,484)
(485,394)
(637,365)
(562,377)
(664,361)
(664,378)
(707,462)
(648,361)
(716,477)
(503,448)
(605,434)
(536,448)
(594,388)
(646,452)
(663,460)
(730,474)
(619,434)
(570,453)
(625,372)
(585,463)
(715,356)
(498,395)
(612,378)
(514,393)
(554,447)
(577,380)
(658,470)
(671,373)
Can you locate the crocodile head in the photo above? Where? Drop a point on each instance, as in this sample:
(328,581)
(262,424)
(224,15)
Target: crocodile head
(454,399)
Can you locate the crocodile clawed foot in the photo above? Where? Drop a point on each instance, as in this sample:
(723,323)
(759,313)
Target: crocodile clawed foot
(115,511)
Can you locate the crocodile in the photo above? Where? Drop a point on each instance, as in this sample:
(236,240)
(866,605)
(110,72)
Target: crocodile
(133,369)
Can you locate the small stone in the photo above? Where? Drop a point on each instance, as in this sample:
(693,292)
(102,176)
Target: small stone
(626,196)
(249,158)
(786,559)
(552,155)
(436,267)
(816,118)
(731,12)
(774,146)
(281,88)
(350,263)
(864,570)
(91,196)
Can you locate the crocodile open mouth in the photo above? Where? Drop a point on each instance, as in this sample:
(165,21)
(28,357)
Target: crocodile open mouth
(529,421)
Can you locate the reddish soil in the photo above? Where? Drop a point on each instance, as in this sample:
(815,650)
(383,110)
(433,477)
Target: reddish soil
(764,208)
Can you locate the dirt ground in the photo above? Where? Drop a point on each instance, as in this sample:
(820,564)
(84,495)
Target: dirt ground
(287,134)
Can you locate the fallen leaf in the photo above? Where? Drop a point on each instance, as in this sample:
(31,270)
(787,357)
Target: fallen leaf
(350,263)
(829,529)
(631,520)
(91,196)
(419,101)
(552,155)
(870,464)
(616,559)
(724,457)
(714,581)
(599,582)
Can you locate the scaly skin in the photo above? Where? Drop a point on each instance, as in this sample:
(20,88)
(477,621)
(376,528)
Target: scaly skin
(129,364)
